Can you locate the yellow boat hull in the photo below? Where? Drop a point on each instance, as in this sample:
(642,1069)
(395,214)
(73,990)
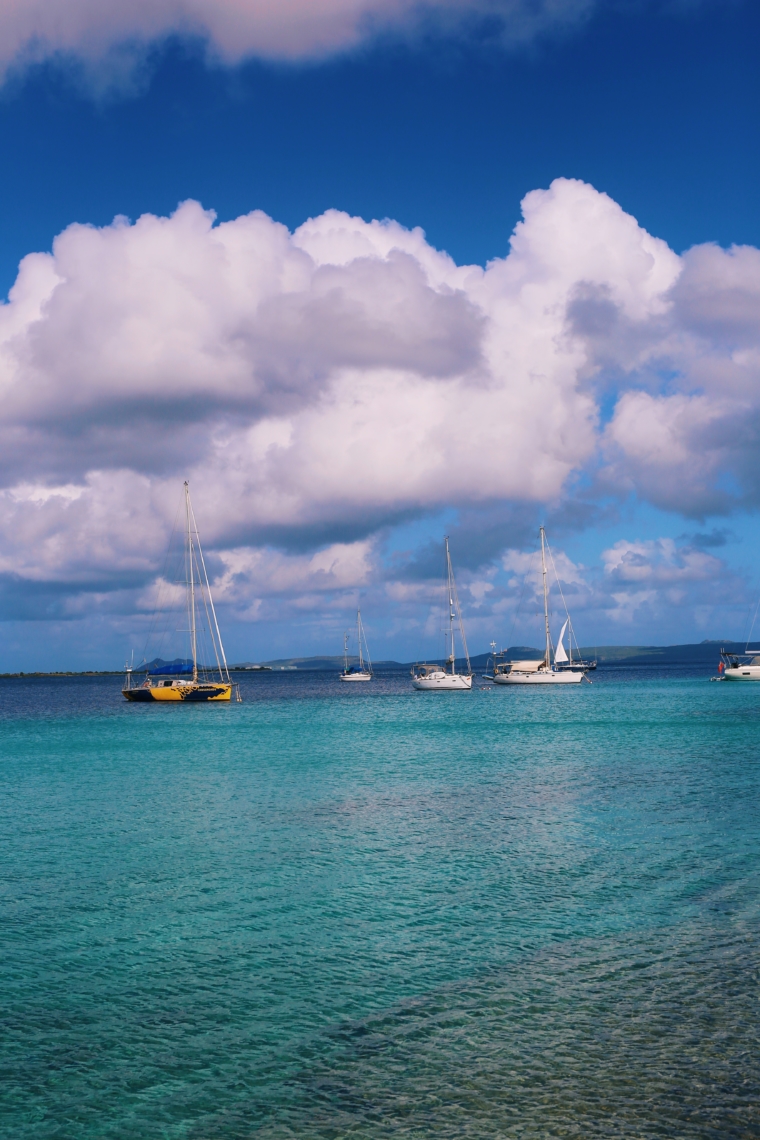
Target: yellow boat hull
(195,693)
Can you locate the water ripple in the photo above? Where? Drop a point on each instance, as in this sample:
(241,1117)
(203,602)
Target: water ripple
(326,914)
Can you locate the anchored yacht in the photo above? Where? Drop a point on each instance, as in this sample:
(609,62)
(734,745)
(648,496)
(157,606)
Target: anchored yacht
(184,679)
(556,667)
(362,671)
(740,666)
(437,677)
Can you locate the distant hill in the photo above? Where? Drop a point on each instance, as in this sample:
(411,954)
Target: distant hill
(704,653)
(514,653)
(305,663)
(159,663)
(319,663)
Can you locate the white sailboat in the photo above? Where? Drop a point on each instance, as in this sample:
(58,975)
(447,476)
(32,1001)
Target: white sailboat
(735,666)
(555,667)
(437,677)
(565,660)
(362,672)
(739,666)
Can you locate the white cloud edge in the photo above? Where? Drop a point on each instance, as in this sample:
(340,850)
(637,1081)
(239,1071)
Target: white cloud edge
(105,36)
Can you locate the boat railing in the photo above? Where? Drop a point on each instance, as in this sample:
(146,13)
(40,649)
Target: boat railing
(733,657)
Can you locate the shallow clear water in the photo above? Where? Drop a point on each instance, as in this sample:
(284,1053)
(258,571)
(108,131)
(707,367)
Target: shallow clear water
(334,911)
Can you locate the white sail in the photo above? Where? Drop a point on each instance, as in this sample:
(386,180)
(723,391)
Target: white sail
(559,653)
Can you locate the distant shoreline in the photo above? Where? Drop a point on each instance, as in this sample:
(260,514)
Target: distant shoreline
(112,672)
(67,673)
(699,653)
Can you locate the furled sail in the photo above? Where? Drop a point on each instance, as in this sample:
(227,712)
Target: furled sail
(559,653)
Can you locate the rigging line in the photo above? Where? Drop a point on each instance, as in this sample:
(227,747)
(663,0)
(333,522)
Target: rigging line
(164,584)
(203,593)
(361,634)
(564,603)
(366,646)
(159,595)
(522,594)
(431,613)
(459,615)
(746,624)
(750,625)
(447,628)
(754,619)
(210,598)
(556,578)
(215,641)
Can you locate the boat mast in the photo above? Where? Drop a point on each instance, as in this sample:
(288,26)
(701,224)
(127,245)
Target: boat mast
(208,602)
(359,639)
(191,583)
(345,652)
(449,576)
(546,601)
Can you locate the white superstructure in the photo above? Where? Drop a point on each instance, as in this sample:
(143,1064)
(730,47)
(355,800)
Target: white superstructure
(740,666)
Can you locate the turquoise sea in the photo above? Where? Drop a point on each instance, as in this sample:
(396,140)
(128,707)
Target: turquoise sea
(363,911)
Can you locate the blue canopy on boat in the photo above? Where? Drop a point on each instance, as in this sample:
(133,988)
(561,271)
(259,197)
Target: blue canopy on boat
(176,668)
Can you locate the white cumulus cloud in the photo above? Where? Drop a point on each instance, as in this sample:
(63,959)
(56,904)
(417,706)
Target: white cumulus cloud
(659,561)
(650,580)
(687,434)
(301,387)
(321,386)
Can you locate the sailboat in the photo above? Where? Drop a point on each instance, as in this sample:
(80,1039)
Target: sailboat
(435,677)
(184,680)
(565,660)
(362,672)
(741,666)
(556,667)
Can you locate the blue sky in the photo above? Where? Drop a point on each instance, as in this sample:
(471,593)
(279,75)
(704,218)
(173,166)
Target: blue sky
(445,125)
(656,105)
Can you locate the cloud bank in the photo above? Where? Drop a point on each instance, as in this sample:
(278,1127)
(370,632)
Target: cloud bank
(322,387)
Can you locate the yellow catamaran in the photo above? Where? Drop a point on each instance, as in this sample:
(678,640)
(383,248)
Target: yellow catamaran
(184,680)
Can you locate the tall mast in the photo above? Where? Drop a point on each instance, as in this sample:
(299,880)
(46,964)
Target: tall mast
(359,639)
(345,652)
(224,672)
(449,588)
(546,602)
(191,584)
